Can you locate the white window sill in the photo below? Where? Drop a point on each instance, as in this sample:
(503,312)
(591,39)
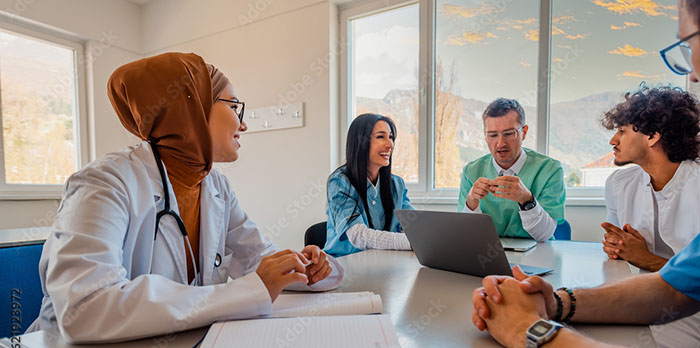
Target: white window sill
(30,195)
(570,201)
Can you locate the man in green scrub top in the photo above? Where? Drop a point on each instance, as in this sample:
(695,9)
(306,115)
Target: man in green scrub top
(522,190)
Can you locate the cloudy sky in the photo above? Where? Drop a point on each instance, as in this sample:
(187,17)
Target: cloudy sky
(597,46)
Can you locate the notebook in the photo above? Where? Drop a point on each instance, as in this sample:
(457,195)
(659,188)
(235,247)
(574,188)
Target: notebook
(346,331)
(324,304)
(311,320)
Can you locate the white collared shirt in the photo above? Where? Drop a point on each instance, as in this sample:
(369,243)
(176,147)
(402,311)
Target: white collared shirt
(536,221)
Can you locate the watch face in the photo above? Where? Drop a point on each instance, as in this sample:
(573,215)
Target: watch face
(540,328)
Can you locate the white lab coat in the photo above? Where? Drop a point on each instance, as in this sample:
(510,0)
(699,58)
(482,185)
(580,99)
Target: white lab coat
(105,278)
(629,200)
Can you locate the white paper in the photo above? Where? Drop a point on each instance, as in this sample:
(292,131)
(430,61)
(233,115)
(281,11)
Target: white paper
(347,331)
(324,304)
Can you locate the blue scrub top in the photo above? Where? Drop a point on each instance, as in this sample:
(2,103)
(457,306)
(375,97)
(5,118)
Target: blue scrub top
(682,271)
(345,210)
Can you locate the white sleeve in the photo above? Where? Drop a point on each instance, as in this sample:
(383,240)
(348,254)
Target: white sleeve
(363,237)
(538,223)
(611,201)
(93,296)
(467,210)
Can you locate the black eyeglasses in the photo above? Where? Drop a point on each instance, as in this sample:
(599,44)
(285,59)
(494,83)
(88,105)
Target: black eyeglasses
(678,56)
(235,109)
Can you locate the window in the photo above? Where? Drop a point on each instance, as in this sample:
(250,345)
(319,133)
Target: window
(39,112)
(384,78)
(599,51)
(567,62)
(483,51)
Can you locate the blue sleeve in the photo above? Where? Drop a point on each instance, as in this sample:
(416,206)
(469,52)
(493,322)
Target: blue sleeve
(405,201)
(682,271)
(343,212)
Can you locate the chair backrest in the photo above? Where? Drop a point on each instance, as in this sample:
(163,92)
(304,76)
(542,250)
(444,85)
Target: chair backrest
(563,231)
(316,235)
(20,287)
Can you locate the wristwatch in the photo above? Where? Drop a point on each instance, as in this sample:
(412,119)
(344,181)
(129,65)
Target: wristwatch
(541,332)
(528,205)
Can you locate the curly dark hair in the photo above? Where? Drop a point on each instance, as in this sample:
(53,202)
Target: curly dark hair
(670,111)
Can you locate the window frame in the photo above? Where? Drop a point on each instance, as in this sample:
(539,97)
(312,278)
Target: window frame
(424,192)
(36,31)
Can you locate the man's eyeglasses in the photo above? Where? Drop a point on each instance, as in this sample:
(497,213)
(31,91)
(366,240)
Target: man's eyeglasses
(509,134)
(238,107)
(677,56)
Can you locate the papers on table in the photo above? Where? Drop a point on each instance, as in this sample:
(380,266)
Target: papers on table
(311,320)
(324,304)
(351,331)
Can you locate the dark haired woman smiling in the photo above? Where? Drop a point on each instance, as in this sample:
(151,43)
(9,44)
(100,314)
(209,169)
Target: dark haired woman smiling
(362,193)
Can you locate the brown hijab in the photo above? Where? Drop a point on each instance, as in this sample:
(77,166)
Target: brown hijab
(167,99)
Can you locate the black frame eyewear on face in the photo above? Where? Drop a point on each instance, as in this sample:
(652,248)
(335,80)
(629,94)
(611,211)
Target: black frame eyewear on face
(237,102)
(672,46)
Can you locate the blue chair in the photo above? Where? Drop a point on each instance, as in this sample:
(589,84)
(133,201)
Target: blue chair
(563,231)
(20,287)
(316,235)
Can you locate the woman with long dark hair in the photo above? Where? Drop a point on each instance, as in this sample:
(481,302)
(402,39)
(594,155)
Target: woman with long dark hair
(362,193)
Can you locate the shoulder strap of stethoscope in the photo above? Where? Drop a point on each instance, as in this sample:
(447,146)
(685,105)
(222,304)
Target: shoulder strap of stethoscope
(163,177)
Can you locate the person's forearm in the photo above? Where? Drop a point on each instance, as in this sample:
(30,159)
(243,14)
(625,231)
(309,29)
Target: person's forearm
(642,299)
(570,338)
(363,237)
(652,263)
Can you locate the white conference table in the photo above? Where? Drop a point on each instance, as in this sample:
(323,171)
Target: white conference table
(432,308)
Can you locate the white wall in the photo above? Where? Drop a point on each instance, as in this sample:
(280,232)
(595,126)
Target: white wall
(112,33)
(272,51)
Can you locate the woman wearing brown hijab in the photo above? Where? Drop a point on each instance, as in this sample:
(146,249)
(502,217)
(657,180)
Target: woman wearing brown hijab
(146,239)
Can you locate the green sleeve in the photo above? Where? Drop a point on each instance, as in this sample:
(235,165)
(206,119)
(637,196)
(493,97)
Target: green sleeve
(553,195)
(464,187)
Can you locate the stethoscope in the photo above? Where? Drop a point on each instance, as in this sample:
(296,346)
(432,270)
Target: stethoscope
(167,211)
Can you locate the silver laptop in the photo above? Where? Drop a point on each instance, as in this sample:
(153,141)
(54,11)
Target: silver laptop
(458,242)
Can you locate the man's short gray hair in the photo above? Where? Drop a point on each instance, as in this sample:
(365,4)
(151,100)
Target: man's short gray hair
(501,107)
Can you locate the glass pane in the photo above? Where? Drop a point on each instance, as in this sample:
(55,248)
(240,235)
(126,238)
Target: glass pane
(384,78)
(484,50)
(37,91)
(600,50)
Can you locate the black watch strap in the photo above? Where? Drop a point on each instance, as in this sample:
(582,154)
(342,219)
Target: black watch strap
(528,205)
